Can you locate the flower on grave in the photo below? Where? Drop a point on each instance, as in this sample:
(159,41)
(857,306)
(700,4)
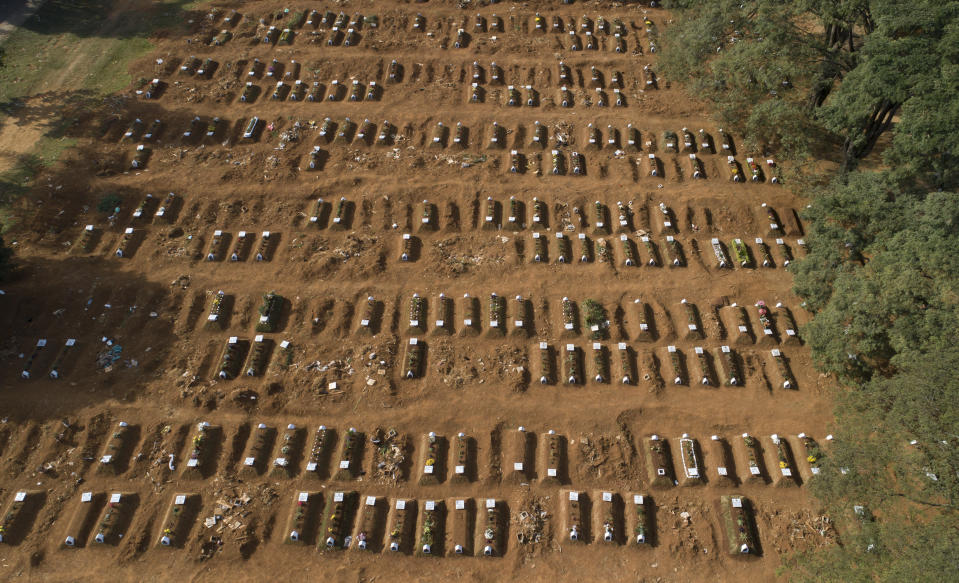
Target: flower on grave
(811,459)
(782,464)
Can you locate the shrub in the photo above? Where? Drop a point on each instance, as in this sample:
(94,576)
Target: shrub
(6,260)
(594,315)
(108,202)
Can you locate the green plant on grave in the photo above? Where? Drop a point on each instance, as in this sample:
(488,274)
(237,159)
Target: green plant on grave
(108,202)
(594,314)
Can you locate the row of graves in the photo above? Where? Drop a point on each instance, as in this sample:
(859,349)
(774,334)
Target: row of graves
(374,523)
(567,363)
(573,76)
(601,33)
(388,456)
(535,136)
(347,31)
(328,521)
(723,369)
(222,245)
(713,368)
(295,89)
(350,521)
(609,518)
(324,27)
(574,164)
(514,319)
(586,33)
(776,325)
(346,520)
(244,358)
(511,214)
(155,210)
(778,460)
(199,130)
(486,81)
(526,95)
(283,27)
(567,96)
(629,241)
(636,225)
(631,219)
(666,155)
(626,251)
(483,75)
(503,317)
(746,459)
(343,519)
(555,162)
(339,520)
(562,159)
(636,220)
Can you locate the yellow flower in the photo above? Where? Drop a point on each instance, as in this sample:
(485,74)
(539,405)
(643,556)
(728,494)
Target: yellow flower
(782,464)
(430,462)
(811,459)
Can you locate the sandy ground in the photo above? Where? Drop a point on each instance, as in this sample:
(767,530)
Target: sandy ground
(18,141)
(154,303)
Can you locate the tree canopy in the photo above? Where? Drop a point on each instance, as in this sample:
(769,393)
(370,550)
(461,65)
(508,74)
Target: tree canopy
(6,260)
(850,70)
(882,275)
(882,280)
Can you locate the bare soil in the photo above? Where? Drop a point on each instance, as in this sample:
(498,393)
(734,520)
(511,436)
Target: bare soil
(154,302)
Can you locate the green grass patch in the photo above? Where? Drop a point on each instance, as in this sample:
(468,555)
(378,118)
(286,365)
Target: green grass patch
(73,50)
(14,183)
(17,180)
(48,149)
(75,45)
(29,60)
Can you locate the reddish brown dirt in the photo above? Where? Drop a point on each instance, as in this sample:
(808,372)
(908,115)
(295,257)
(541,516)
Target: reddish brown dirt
(154,303)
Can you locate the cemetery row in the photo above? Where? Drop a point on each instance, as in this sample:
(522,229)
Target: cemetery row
(324,27)
(343,519)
